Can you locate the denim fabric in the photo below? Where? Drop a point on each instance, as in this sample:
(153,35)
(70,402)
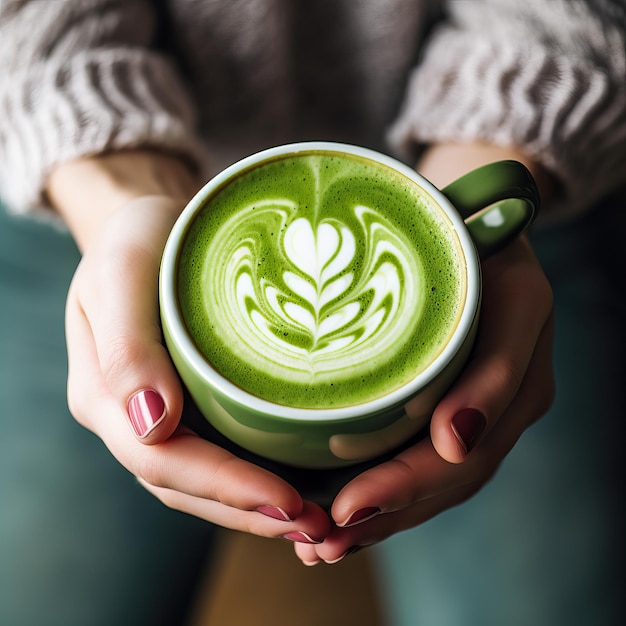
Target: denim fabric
(81,544)
(542,543)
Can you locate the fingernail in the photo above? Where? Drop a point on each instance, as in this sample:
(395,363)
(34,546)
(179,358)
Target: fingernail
(468,425)
(360,516)
(274,512)
(348,552)
(146,409)
(300,537)
(343,556)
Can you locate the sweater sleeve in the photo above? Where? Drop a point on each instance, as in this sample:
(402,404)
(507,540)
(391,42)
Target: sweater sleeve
(80,77)
(548,77)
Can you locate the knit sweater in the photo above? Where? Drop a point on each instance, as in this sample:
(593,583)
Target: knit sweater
(213,80)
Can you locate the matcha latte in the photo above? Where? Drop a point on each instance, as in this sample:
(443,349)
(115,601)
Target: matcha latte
(320,280)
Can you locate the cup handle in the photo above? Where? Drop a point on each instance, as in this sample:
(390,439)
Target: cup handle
(498,201)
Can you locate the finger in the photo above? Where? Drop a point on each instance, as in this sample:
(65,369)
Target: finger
(419,473)
(184,462)
(517,303)
(413,475)
(310,528)
(533,400)
(465,480)
(190,465)
(119,297)
(146,408)
(344,542)
(307,554)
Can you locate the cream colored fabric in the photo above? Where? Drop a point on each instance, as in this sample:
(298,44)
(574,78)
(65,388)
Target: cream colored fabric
(215,80)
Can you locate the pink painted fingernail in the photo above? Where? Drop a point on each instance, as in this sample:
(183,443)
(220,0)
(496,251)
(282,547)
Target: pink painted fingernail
(360,516)
(146,410)
(468,426)
(274,512)
(300,537)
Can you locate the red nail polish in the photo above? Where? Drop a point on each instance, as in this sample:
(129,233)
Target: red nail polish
(360,516)
(274,512)
(145,410)
(300,537)
(468,425)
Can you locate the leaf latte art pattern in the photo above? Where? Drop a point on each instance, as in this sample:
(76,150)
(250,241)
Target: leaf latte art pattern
(341,297)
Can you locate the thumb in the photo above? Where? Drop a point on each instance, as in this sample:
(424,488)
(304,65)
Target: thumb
(118,293)
(517,305)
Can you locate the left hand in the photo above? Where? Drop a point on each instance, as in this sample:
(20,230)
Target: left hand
(508,383)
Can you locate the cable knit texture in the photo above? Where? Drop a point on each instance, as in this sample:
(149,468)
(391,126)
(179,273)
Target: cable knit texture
(207,77)
(549,77)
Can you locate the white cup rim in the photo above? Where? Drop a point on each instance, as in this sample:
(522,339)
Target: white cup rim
(199,363)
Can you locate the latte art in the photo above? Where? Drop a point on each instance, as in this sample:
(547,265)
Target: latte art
(333,307)
(315,281)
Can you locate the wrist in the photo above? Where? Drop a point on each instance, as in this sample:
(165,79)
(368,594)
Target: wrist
(87,191)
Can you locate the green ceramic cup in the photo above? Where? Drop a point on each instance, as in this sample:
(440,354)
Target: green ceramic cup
(487,208)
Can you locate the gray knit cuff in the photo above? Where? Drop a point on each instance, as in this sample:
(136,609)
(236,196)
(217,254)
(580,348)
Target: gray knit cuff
(97,101)
(568,116)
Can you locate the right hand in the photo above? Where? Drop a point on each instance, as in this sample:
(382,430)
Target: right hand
(115,351)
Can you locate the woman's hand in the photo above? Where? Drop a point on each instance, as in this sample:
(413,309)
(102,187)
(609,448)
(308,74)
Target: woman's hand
(506,386)
(121,384)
